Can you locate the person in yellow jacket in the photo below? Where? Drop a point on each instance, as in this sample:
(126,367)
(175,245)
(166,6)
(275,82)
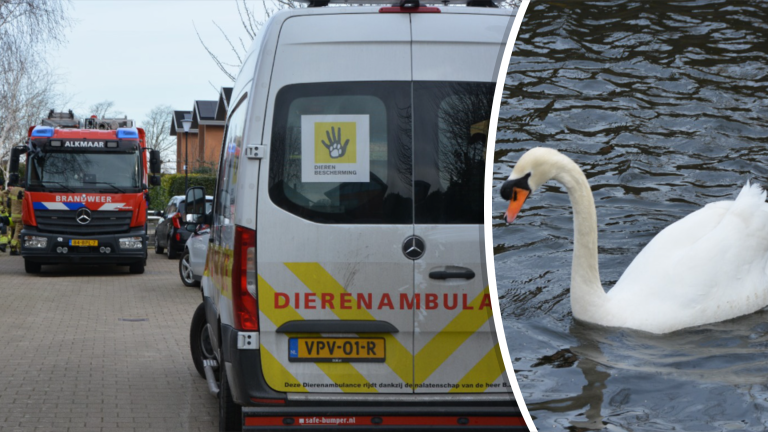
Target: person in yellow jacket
(5,222)
(15,195)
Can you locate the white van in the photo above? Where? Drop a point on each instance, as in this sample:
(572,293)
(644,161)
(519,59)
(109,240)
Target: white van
(345,281)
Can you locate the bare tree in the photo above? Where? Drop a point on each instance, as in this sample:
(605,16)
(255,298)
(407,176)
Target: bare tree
(27,85)
(26,93)
(510,4)
(251,25)
(32,22)
(104,109)
(157,126)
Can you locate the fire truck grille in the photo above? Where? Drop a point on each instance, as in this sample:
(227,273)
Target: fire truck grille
(102,222)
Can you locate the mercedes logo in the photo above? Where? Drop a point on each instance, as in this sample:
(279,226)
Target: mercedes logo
(413,247)
(83,216)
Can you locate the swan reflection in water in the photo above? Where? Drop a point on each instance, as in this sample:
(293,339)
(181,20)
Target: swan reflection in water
(590,399)
(655,377)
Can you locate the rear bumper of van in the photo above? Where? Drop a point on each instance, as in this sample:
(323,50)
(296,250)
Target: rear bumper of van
(382,418)
(265,409)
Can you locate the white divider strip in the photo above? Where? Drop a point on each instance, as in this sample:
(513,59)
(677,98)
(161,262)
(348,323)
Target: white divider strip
(489,213)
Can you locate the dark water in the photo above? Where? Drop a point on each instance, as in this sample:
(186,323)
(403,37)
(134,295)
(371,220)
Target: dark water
(665,107)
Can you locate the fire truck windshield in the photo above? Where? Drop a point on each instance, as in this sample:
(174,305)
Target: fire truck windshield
(85,171)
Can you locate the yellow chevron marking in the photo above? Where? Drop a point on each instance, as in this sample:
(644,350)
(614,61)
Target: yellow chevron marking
(339,373)
(486,371)
(318,280)
(219,270)
(278,372)
(267,305)
(450,338)
(345,373)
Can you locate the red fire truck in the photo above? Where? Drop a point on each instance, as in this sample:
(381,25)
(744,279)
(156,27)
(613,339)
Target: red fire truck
(86,192)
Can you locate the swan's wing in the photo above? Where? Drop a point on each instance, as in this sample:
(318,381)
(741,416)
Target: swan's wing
(707,267)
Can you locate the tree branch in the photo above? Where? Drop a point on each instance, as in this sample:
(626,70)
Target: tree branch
(213,56)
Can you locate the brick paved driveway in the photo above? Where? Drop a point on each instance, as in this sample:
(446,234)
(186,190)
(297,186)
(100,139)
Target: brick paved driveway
(98,349)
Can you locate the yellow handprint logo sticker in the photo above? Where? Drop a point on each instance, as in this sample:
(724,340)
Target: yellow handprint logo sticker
(335,148)
(335,142)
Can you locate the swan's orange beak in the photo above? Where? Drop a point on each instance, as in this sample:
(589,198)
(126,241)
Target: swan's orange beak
(516,202)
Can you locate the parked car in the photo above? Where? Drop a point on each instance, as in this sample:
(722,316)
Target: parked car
(172,232)
(192,262)
(346,278)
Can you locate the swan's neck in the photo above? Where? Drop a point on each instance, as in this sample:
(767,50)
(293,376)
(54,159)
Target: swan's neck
(587,295)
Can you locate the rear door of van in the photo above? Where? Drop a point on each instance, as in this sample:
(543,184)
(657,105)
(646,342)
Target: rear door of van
(335,290)
(370,255)
(454,73)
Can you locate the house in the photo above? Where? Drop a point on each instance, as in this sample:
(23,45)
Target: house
(206,132)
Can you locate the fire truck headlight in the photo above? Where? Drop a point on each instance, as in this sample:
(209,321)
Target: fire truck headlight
(35,242)
(131,243)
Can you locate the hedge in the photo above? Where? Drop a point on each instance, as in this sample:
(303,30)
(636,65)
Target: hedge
(173,184)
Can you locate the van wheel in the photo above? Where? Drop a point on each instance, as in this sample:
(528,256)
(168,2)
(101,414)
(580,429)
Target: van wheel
(200,340)
(185,271)
(230,413)
(32,267)
(158,248)
(136,268)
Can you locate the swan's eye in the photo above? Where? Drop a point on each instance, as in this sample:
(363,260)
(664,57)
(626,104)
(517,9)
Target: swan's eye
(514,194)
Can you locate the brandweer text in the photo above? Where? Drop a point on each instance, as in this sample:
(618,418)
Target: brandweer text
(84,198)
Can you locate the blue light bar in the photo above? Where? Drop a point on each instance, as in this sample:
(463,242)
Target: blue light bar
(127,133)
(42,131)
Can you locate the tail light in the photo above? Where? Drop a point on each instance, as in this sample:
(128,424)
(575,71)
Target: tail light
(244,280)
(175,221)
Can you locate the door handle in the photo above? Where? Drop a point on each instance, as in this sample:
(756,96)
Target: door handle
(452,274)
(337,326)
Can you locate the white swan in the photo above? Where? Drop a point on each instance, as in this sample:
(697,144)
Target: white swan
(710,266)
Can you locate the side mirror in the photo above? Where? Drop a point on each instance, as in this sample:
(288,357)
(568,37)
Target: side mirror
(154,180)
(13,166)
(155,164)
(195,202)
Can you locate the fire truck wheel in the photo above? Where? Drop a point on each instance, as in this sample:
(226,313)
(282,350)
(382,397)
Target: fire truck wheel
(185,271)
(32,267)
(200,344)
(158,248)
(171,251)
(137,268)
(230,413)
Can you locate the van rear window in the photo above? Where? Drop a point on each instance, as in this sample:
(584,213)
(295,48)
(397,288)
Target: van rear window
(451,134)
(360,152)
(341,152)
